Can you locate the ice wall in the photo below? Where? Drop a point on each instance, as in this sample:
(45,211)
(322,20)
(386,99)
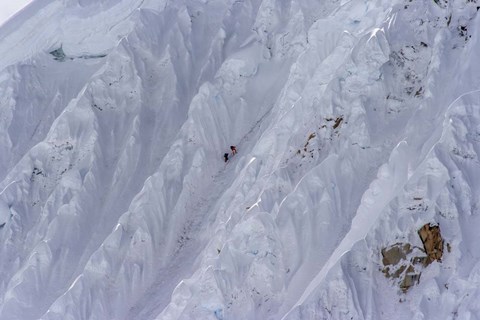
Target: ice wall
(115,202)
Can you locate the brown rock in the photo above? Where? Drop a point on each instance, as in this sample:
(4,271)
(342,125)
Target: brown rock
(432,242)
(394,254)
(411,278)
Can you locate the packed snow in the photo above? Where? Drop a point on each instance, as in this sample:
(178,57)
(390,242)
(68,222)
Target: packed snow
(356,123)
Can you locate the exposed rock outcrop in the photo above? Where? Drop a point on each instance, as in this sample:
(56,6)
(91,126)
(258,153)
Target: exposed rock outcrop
(432,242)
(401,263)
(404,262)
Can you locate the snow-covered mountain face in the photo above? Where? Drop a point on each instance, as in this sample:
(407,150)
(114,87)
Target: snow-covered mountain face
(357,125)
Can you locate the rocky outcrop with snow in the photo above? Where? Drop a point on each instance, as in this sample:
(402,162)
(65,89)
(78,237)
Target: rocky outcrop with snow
(356,123)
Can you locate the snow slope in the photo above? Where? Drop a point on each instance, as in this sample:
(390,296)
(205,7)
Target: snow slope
(357,122)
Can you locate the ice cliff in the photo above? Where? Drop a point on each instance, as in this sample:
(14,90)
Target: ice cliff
(357,123)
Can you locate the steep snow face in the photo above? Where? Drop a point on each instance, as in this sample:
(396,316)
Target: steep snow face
(356,123)
(82,27)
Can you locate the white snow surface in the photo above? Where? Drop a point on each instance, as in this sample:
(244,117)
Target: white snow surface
(356,123)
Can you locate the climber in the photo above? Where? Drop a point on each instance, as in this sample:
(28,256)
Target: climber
(225,156)
(234,150)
